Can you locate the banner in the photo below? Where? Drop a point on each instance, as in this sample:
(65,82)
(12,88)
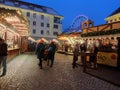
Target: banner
(107,58)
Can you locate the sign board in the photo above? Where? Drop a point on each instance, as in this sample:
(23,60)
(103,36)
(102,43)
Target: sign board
(107,58)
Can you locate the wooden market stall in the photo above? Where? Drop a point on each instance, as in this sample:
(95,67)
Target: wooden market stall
(106,36)
(14,30)
(68,39)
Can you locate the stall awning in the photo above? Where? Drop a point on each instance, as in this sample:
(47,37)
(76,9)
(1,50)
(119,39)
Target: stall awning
(16,19)
(31,39)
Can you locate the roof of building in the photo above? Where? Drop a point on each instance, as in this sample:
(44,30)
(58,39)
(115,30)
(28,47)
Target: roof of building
(115,12)
(31,6)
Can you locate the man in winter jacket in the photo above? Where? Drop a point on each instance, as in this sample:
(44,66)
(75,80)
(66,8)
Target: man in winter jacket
(3,56)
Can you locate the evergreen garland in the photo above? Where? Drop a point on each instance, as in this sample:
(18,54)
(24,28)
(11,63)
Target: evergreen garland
(96,33)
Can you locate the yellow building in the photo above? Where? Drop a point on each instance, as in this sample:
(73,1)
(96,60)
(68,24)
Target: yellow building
(114,17)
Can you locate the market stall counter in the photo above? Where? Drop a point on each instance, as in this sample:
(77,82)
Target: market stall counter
(12,53)
(84,59)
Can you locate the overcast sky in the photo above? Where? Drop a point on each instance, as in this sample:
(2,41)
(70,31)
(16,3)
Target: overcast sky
(96,10)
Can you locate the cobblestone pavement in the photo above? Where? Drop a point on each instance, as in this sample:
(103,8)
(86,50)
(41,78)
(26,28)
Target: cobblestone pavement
(23,73)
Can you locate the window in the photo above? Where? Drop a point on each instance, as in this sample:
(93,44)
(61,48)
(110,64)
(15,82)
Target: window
(47,32)
(56,26)
(34,31)
(28,14)
(34,23)
(57,20)
(48,25)
(34,15)
(55,33)
(85,25)
(42,24)
(42,32)
(42,17)
(110,21)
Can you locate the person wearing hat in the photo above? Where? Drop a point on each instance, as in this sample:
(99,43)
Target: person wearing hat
(40,51)
(3,56)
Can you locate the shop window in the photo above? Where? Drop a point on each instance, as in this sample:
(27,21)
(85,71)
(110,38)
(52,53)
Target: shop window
(12,40)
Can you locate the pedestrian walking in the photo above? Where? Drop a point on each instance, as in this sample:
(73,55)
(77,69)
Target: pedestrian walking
(3,56)
(40,52)
(83,50)
(75,55)
(52,48)
(66,49)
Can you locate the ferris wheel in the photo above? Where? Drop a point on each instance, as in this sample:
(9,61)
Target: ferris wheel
(77,23)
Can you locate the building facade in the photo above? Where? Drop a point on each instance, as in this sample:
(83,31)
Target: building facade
(44,22)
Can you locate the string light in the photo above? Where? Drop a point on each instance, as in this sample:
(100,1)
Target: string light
(10,17)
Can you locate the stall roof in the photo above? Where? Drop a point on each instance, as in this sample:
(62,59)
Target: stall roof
(115,12)
(15,20)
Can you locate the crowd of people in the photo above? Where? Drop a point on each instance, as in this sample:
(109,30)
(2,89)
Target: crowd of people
(82,49)
(46,52)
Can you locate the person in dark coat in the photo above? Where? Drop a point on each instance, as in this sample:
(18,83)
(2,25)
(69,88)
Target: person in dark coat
(75,55)
(3,56)
(83,50)
(94,49)
(40,52)
(66,49)
(52,48)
